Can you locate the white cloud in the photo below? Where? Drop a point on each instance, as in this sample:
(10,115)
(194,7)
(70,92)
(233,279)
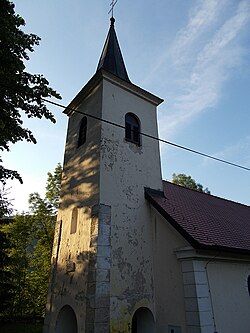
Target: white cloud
(228,31)
(239,151)
(200,87)
(201,16)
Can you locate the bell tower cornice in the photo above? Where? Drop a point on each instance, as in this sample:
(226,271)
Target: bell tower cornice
(105,75)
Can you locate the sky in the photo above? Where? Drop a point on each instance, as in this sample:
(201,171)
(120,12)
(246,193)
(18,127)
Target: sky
(192,53)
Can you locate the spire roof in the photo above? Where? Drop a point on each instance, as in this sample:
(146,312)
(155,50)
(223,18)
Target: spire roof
(111,58)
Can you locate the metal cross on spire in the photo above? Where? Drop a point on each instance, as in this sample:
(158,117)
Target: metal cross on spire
(112,5)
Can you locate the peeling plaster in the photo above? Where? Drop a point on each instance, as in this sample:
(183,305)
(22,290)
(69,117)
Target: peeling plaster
(112,248)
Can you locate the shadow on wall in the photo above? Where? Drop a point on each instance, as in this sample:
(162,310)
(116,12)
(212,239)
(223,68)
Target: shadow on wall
(80,179)
(73,275)
(74,283)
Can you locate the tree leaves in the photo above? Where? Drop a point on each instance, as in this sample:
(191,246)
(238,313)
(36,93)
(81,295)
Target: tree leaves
(5,203)
(21,93)
(53,186)
(29,239)
(187,181)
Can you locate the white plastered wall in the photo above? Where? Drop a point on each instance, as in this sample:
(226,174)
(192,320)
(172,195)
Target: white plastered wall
(215,291)
(230,297)
(169,289)
(124,172)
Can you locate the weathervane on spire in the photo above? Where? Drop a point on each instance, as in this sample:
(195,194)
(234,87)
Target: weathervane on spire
(112,5)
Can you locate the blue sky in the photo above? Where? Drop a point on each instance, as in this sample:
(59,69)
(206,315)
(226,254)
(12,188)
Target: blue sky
(192,53)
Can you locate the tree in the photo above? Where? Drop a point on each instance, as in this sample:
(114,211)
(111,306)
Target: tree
(6,287)
(53,186)
(21,93)
(6,277)
(18,233)
(5,203)
(187,181)
(30,239)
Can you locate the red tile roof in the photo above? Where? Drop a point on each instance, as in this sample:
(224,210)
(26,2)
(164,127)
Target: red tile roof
(206,221)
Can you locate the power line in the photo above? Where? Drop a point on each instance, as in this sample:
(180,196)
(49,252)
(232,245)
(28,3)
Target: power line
(151,136)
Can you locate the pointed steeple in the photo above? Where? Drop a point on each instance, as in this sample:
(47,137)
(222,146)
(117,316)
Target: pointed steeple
(111,58)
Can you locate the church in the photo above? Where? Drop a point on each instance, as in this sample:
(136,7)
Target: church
(133,253)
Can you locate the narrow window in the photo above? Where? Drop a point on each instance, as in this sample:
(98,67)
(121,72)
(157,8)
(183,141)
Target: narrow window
(74,218)
(248,284)
(132,129)
(82,132)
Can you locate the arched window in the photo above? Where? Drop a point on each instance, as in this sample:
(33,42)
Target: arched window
(248,284)
(74,218)
(132,129)
(82,132)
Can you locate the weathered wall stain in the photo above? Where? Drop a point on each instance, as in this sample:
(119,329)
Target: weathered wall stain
(104,269)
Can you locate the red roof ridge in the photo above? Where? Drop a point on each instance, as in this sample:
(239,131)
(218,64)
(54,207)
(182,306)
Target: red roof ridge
(211,195)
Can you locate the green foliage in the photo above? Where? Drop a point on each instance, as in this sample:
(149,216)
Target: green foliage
(20,327)
(5,203)
(187,181)
(30,239)
(21,93)
(53,186)
(6,286)
(18,234)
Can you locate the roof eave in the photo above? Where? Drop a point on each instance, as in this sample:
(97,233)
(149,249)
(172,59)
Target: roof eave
(193,242)
(83,93)
(103,74)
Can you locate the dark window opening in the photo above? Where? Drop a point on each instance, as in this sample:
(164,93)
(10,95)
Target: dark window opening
(74,217)
(248,284)
(82,132)
(132,129)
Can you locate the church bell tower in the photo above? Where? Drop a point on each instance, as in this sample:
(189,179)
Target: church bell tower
(102,260)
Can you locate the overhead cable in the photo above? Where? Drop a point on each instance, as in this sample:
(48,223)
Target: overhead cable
(151,136)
